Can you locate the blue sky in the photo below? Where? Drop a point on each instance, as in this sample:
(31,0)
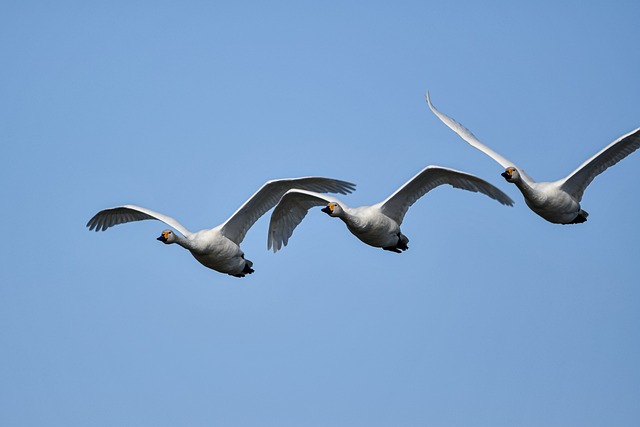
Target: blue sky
(493,317)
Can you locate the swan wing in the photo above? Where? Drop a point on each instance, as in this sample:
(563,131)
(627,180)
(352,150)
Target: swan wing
(396,205)
(289,212)
(578,180)
(471,139)
(128,213)
(236,227)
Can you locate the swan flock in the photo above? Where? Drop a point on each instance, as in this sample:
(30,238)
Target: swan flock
(377,225)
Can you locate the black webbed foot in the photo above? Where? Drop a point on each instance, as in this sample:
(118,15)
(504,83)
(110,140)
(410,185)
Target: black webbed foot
(402,243)
(247,270)
(400,246)
(392,249)
(582,217)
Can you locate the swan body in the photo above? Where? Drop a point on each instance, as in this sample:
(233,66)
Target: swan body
(370,225)
(213,250)
(549,200)
(377,225)
(219,248)
(559,201)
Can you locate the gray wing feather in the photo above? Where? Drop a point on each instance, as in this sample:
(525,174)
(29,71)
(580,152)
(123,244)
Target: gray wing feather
(290,212)
(236,227)
(396,205)
(471,139)
(578,180)
(129,213)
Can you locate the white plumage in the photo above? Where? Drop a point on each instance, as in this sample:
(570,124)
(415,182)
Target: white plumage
(558,201)
(219,248)
(377,225)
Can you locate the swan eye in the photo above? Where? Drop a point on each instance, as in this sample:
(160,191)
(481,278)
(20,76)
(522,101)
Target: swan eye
(166,234)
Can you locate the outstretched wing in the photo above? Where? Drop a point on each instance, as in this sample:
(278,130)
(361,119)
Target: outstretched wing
(471,139)
(289,212)
(396,205)
(236,227)
(578,180)
(128,213)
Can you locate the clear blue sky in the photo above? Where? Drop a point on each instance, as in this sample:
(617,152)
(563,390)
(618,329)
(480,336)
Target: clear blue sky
(493,317)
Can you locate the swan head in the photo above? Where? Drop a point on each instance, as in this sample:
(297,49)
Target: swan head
(511,174)
(167,237)
(332,209)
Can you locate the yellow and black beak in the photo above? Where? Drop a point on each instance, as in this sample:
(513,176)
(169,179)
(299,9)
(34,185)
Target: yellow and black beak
(507,174)
(163,237)
(328,209)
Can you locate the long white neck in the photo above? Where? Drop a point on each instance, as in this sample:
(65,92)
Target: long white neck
(183,241)
(525,188)
(347,216)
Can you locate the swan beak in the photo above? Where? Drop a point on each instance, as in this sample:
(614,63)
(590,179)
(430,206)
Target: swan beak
(162,238)
(329,209)
(508,173)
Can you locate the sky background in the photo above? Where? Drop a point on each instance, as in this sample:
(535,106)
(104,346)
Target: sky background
(493,317)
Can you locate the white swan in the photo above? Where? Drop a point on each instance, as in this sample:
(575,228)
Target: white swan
(559,201)
(219,248)
(377,225)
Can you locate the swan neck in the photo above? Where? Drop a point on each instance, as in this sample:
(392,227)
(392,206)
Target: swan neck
(184,242)
(524,187)
(342,213)
(346,216)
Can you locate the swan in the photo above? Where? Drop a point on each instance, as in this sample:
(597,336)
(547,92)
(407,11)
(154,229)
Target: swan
(219,248)
(559,201)
(377,225)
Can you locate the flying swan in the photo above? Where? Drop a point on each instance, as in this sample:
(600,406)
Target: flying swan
(559,201)
(219,248)
(377,225)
